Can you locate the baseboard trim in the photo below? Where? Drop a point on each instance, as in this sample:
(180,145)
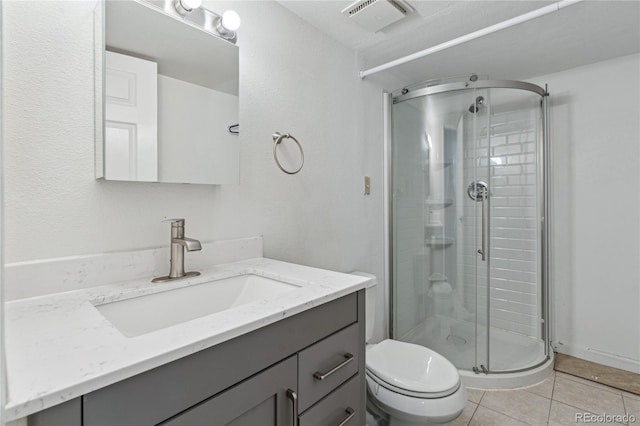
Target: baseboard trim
(599,357)
(603,374)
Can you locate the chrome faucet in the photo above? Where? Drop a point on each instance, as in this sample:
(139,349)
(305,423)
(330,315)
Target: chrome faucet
(178,244)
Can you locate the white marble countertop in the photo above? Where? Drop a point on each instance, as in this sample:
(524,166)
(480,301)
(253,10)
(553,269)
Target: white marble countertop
(59,346)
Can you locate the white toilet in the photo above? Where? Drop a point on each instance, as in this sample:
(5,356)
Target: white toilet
(412,384)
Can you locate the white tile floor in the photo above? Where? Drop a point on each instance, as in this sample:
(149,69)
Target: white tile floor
(556,401)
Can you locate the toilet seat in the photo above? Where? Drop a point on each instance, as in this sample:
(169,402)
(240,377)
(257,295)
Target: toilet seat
(407,392)
(411,370)
(404,410)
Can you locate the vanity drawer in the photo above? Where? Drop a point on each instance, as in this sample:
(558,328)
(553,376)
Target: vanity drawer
(341,407)
(327,364)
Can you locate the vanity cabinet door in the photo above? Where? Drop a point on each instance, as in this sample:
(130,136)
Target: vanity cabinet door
(260,400)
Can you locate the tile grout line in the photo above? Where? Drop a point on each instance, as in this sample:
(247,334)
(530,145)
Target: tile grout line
(481,398)
(553,388)
(506,415)
(577,408)
(553,397)
(537,394)
(592,383)
(474,411)
(598,388)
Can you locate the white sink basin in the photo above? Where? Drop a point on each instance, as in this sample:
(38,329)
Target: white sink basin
(144,314)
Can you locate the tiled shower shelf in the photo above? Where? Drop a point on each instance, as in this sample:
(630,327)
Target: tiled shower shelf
(438,203)
(438,242)
(436,166)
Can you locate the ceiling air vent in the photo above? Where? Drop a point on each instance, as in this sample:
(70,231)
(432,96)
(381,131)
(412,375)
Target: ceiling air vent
(374,15)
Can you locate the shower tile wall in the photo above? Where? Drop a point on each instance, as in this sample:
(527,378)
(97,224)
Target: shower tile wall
(514,287)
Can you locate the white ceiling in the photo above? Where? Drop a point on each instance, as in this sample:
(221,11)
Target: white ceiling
(584,33)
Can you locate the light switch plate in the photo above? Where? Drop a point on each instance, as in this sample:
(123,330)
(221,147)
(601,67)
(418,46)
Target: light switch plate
(367,185)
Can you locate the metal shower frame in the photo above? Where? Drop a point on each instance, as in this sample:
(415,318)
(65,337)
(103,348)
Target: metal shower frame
(543,192)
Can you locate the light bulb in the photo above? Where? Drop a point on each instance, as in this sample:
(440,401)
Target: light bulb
(185,7)
(231,20)
(191,4)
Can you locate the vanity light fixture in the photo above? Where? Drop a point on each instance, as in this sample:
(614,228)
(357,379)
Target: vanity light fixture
(185,7)
(194,13)
(227,24)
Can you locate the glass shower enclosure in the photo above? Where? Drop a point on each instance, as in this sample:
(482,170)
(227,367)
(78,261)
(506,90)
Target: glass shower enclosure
(468,246)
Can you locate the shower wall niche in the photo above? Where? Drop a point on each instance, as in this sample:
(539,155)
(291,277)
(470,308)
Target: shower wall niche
(467,204)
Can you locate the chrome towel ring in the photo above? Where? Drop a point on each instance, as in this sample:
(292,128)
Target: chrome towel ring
(277,138)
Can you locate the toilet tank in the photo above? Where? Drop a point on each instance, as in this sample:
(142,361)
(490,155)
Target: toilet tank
(370,303)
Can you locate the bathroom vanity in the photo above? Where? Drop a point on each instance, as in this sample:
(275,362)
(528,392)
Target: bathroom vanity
(294,358)
(310,366)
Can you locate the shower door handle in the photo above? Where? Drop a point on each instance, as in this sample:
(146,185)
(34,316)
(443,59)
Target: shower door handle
(479,191)
(484,194)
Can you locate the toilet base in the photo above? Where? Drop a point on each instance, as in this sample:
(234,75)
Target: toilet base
(393,421)
(410,411)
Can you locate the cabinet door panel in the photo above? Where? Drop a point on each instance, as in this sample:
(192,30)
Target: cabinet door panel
(259,400)
(262,414)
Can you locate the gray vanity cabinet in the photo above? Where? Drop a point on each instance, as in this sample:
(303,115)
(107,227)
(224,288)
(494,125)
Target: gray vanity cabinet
(308,367)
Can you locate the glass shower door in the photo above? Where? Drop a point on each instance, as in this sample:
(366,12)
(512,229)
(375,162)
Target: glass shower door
(475,220)
(515,125)
(440,282)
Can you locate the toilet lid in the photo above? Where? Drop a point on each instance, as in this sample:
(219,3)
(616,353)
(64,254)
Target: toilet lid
(412,367)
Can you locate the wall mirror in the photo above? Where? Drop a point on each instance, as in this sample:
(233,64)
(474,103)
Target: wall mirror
(167,94)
